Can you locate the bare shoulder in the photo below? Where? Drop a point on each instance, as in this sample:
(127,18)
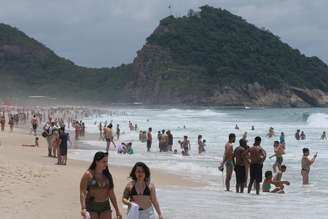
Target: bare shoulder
(87,175)
(151,186)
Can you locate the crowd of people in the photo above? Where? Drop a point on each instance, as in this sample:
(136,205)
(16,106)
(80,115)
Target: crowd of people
(247,163)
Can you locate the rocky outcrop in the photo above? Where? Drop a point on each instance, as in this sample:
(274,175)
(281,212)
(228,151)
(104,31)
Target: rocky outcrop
(162,81)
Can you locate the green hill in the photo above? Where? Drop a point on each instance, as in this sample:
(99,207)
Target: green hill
(209,57)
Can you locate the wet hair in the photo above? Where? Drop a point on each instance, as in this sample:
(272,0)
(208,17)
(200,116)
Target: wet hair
(232,136)
(145,169)
(98,156)
(257,140)
(283,167)
(306,150)
(268,174)
(276,143)
(243,143)
(150,129)
(110,125)
(200,136)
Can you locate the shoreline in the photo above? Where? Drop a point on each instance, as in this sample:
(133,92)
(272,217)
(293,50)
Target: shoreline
(30,180)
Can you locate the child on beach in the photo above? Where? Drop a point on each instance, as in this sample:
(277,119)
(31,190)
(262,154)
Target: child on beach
(279,150)
(266,187)
(306,163)
(278,175)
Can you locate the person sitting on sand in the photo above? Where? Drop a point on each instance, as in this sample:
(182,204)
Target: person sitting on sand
(122,149)
(266,187)
(306,164)
(97,188)
(129,148)
(141,193)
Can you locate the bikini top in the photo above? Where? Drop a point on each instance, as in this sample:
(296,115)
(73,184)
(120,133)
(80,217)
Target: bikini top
(94,184)
(134,192)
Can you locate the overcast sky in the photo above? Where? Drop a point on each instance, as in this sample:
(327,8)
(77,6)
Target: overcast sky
(105,33)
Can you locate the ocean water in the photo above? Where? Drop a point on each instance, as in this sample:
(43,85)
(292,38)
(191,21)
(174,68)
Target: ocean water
(215,126)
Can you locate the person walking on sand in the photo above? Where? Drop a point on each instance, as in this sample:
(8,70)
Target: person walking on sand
(96,189)
(3,122)
(34,123)
(306,164)
(140,193)
(62,153)
(228,159)
(257,156)
(11,123)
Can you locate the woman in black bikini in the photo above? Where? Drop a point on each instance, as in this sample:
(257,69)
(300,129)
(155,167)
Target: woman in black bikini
(142,192)
(96,188)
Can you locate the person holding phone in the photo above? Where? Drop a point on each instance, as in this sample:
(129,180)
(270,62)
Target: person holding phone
(306,164)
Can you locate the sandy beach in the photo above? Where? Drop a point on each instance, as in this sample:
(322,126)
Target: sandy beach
(32,186)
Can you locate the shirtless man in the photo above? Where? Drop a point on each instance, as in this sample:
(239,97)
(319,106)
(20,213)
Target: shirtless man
(256,156)
(34,123)
(279,151)
(108,134)
(228,159)
(306,163)
(240,160)
(149,139)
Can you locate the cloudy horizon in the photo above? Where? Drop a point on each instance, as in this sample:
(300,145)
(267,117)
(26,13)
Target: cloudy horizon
(106,33)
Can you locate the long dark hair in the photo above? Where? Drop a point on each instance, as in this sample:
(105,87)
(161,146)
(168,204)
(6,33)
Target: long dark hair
(98,156)
(145,169)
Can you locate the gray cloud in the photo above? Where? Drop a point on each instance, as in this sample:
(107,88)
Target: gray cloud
(109,32)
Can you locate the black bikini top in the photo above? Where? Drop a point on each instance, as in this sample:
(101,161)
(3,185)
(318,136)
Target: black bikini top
(146,192)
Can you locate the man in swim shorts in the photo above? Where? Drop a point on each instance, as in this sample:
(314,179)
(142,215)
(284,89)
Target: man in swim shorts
(257,156)
(228,159)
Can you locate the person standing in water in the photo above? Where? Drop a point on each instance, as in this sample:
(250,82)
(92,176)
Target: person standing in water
(323,136)
(279,151)
(141,193)
(149,139)
(118,131)
(240,160)
(257,156)
(306,164)
(108,134)
(282,138)
(97,188)
(228,159)
(11,123)
(101,131)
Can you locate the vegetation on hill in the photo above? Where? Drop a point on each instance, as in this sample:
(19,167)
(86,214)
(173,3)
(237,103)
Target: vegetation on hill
(236,53)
